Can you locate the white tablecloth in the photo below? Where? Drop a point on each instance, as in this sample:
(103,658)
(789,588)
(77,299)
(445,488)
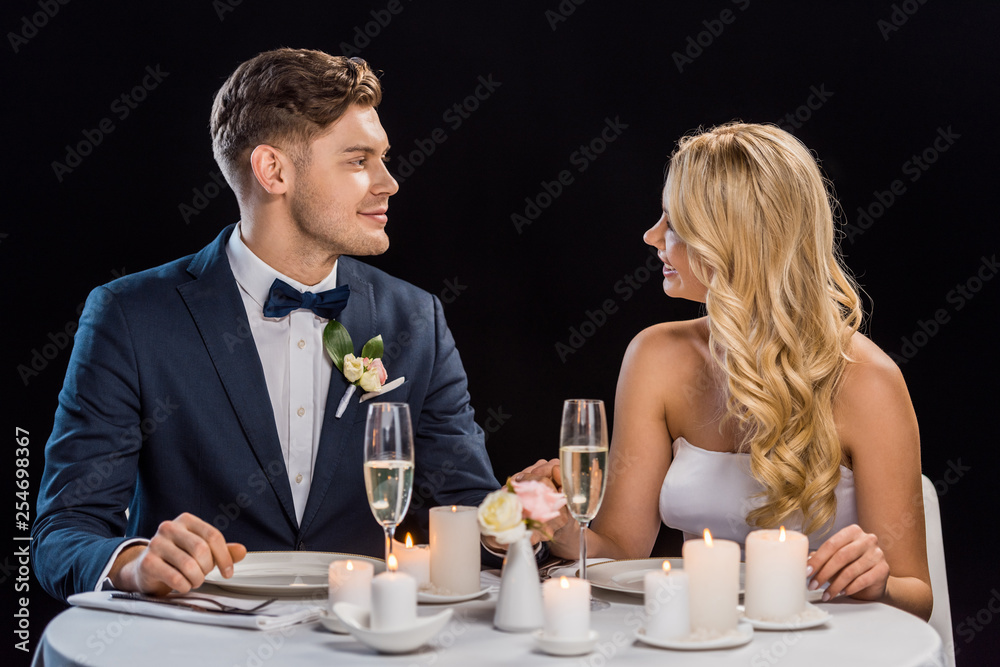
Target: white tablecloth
(859,634)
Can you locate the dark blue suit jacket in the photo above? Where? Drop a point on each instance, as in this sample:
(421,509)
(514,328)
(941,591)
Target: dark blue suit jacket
(165,410)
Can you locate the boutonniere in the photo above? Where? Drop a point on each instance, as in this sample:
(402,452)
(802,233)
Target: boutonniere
(365,371)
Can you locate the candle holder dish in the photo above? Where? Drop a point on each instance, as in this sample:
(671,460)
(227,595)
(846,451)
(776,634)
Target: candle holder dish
(742,635)
(562,646)
(810,617)
(357,621)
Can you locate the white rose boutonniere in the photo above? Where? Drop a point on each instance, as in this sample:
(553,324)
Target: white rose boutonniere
(366,371)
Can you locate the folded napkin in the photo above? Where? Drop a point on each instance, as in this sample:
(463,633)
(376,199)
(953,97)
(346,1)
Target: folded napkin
(272,617)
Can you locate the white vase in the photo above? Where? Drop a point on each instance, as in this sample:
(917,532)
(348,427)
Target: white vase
(519,605)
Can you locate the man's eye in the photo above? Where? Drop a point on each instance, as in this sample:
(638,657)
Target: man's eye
(386,159)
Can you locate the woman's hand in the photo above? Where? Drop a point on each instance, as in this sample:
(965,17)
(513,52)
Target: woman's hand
(565,540)
(853,564)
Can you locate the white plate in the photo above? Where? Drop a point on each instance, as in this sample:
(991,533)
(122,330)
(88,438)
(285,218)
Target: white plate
(744,630)
(432,598)
(394,641)
(559,646)
(626,576)
(817,617)
(273,573)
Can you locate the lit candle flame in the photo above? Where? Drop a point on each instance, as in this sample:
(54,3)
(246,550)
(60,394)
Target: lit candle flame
(409,541)
(350,565)
(666,567)
(781,535)
(454,508)
(563,582)
(392,565)
(708,537)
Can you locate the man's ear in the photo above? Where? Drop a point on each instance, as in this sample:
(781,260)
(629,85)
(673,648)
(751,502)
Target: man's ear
(272,169)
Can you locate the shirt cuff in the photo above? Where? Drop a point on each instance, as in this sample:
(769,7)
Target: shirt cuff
(103,582)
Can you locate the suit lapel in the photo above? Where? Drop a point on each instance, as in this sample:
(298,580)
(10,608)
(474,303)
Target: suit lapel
(215,304)
(359,318)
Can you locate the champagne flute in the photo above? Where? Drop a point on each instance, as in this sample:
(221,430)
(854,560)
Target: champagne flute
(583,459)
(388,465)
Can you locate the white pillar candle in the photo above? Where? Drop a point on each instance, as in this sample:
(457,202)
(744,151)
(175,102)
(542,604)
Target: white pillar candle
(415,560)
(454,537)
(775,580)
(713,568)
(394,599)
(566,607)
(666,603)
(351,581)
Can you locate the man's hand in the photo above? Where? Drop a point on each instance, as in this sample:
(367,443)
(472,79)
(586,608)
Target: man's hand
(177,558)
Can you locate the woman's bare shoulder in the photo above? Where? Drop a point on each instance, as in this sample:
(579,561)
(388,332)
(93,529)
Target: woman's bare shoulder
(672,342)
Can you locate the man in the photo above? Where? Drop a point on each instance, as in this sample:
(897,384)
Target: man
(196,401)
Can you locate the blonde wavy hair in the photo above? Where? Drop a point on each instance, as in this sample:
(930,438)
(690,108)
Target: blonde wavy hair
(757,217)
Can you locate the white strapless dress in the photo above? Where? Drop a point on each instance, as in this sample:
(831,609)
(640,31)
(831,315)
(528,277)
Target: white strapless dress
(714,490)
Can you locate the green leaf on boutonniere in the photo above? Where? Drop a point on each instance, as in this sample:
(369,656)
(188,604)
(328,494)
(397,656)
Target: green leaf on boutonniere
(373,349)
(337,342)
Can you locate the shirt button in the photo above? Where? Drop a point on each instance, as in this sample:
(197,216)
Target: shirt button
(298,478)
(302,344)
(300,411)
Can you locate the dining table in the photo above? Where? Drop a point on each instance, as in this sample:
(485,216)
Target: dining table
(857,634)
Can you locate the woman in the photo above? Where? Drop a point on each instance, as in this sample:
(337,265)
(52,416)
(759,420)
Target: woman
(772,410)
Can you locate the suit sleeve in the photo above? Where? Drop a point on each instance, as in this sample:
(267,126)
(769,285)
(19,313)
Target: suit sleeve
(92,455)
(452,463)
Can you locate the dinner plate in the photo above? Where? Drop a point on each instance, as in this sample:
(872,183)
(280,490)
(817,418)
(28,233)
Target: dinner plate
(742,635)
(811,617)
(433,598)
(626,576)
(273,573)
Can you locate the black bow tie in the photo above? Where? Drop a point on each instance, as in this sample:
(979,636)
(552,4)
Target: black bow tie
(282,299)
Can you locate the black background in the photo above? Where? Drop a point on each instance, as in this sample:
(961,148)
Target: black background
(888,91)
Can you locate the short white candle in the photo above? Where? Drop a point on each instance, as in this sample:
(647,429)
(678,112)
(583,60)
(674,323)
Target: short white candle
(667,601)
(566,607)
(454,537)
(415,560)
(775,581)
(713,568)
(394,599)
(351,581)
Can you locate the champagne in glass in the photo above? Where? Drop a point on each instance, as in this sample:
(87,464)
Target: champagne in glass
(583,457)
(388,465)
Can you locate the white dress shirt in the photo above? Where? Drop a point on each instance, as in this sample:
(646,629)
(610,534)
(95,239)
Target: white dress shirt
(297,369)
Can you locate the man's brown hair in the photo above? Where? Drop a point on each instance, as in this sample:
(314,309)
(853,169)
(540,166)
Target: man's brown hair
(284,98)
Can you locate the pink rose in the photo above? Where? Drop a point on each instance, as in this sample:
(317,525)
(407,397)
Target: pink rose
(376,364)
(541,502)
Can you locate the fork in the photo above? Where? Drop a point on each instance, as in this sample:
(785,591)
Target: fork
(182,602)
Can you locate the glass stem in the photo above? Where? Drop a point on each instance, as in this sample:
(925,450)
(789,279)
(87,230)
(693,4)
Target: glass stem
(390,532)
(583,549)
